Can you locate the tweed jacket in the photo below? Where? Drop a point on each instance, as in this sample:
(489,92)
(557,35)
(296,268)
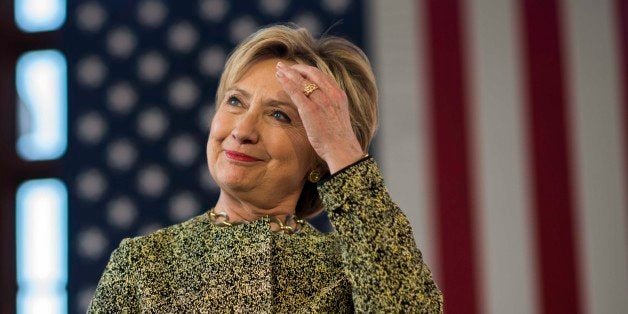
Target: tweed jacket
(369,263)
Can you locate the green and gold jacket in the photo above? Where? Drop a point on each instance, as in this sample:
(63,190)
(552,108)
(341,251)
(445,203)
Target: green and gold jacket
(369,263)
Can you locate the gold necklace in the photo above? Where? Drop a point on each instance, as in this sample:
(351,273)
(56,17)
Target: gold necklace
(221,219)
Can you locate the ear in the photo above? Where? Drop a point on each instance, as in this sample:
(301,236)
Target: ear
(322,168)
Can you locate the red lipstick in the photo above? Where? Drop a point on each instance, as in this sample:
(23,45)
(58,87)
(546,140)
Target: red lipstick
(240,156)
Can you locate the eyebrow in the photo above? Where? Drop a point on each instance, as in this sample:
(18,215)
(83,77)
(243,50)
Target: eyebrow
(271,103)
(241,91)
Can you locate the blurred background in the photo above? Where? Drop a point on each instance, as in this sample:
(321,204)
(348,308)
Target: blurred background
(503,137)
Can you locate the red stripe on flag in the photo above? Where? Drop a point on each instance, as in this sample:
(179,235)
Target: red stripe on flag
(622,25)
(549,139)
(450,156)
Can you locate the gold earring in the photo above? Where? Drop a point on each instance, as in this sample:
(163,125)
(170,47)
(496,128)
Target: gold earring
(314,176)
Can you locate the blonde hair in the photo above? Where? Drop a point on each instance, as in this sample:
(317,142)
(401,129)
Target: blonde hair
(334,56)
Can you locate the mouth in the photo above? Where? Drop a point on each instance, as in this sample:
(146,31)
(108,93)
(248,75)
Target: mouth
(240,156)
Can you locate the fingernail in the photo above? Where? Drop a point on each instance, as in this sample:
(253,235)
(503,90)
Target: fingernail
(279,74)
(279,64)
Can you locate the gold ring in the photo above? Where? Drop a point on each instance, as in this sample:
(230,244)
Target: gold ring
(309,88)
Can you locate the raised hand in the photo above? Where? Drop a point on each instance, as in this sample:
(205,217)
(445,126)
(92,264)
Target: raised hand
(324,113)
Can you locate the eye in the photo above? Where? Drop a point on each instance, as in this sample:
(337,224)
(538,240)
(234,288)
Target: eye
(280,116)
(233,101)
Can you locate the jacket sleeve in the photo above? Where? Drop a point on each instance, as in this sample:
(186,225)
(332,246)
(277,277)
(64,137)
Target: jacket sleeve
(116,290)
(380,256)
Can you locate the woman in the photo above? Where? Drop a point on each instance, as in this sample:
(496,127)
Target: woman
(290,110)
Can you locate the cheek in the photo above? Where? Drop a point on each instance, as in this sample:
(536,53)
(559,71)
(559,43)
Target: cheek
(304,149)
(295,150)
(221,125)
(220,129)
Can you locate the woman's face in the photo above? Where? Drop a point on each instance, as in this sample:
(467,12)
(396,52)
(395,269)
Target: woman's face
(257,118)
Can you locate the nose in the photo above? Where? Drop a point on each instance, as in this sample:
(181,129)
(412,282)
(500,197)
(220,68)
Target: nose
(245,130)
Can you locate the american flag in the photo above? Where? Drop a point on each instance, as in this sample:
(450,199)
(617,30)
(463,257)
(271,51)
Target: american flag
(502,137)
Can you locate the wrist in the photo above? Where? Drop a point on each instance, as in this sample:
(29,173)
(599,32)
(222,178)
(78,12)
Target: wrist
(341,161)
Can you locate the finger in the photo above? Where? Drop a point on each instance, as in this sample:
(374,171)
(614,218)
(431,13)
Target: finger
(332,91)
(294,90)
(318,96)
(317,76)
(290,73)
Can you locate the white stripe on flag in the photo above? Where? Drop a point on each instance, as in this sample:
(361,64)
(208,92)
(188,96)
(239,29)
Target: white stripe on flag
(594,78)
(402,139)
(501,163)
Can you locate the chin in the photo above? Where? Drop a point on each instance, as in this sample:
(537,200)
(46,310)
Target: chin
(236,185)
(234,178)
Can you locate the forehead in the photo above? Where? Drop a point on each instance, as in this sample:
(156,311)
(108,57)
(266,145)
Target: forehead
(261,77)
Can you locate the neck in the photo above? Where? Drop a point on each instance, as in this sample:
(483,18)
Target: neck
(242,210)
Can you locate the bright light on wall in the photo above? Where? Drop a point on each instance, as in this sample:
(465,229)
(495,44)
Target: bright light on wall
(41,78)
(39,15)
(41,243)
